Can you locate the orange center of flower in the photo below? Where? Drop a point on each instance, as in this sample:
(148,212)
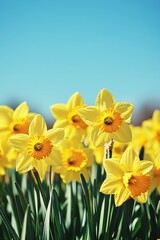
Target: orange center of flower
(74,159)
(20,126)
(138,184)
(78,122)
(110,120)
(39,147)
(75,119)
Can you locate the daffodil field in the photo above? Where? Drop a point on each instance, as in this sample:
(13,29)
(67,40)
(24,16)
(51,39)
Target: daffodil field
(92,176)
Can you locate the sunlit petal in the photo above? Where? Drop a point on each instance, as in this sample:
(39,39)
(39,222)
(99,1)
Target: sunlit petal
(38,126)
(21,111)
(75,100)
(123,134)
(121,196)
(89,114)
(104,99)
(19,141)
(59,111)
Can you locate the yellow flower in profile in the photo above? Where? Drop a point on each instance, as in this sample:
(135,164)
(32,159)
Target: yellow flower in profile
(155,183)
(139,138)
(8,156)
(109,120)
(67,116)
(75,159)
(127,177)
(152,129)
(3,160)
(37,150)
(15,121)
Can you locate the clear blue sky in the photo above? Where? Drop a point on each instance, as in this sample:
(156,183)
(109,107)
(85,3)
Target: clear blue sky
(52,48)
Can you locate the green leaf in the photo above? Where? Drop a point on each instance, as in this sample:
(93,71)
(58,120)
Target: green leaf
(24,226)
(15,218)
(46,228)
(59,223)
(22,197)
(88,207)
(9,228)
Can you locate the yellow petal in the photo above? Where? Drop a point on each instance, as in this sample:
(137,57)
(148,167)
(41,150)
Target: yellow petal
(99,138)
(147,124)
(73,132)
(121,196)
(104,99)
(41,168)
(86,173)
(38,126)
(55,159)
(59,111)
(123,134)
(55,135)
(142,198)
(21,111)
(153,185)
(145,166)
(67,176)
(90,156)
(19,141)
(156,117)
(113,168)
(2,171)
(6,116)
(110,185)
(23,163)
(75,100)
(89,114)
(128,159)
(60,123)
(116,160)
(125,109)
(157,160)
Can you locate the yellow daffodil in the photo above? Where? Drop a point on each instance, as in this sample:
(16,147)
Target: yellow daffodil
(152,129)
(3,160)
(15,121)
(67,116)
(75,159)
(8,155)
(139,138)
(155,183)
(37,148)
(118,149)
(109,120)
(127,177)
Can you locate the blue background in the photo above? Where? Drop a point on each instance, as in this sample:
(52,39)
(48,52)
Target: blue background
(51,49)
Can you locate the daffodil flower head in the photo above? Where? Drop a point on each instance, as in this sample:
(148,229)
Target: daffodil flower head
(155,183)
(3,162)
(109,120)
(37,149)
(76,159)
(15,121)
(128,177)
(67,116)
(8,155)
(152,129)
